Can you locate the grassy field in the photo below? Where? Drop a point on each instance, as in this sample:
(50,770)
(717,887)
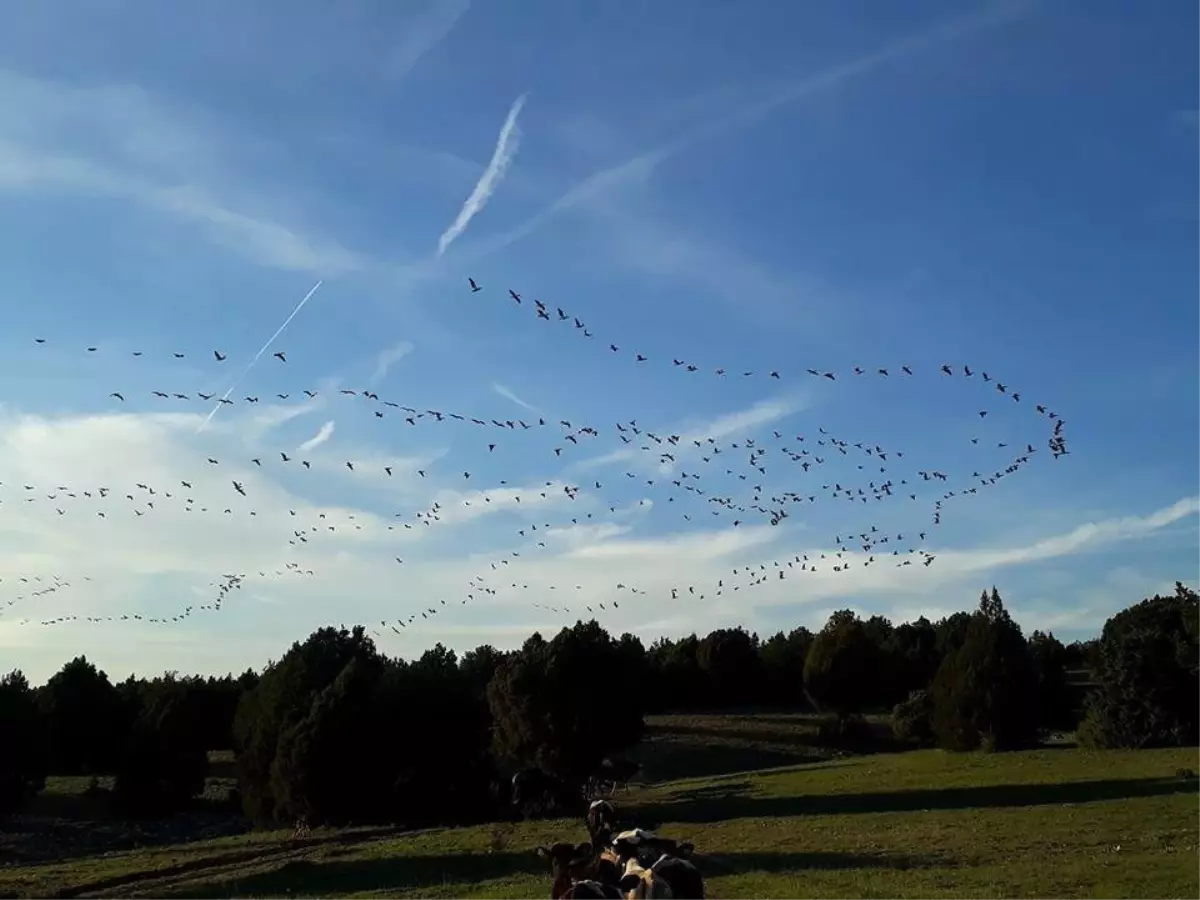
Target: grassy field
(1052,822)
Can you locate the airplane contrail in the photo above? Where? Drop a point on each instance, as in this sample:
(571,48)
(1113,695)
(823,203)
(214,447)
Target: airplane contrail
(258,355)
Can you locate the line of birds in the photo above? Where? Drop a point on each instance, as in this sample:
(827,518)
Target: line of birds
(218,356)
(711,446)
(667,450)
(542,311)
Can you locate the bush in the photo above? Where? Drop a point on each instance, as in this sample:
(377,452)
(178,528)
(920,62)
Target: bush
(912,720)
(984,691)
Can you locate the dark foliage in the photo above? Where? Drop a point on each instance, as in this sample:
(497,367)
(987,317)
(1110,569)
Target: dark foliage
(676,674)
(729,663)
(1054,697)
(566,704)
(783,658)
(335,732)
(23,746)
(85,718)
(284,697)
(1149,686)
(843,672)
(912,657)
(984,692)
(164,762)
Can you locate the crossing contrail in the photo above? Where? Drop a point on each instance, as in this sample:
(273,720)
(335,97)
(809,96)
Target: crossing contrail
(258,355)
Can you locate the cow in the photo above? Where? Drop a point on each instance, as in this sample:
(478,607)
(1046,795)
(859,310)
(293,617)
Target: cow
(647,847)
(579,864)
(601,823)
(668,878)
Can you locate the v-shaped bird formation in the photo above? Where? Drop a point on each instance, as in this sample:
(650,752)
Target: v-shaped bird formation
(688,480)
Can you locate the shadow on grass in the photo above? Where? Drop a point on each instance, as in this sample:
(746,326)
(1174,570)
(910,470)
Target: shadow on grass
(789,736)
(390,875)
(414,873)
(729,801)
(669,760)
(738,863)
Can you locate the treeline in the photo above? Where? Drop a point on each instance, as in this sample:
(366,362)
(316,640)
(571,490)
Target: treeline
(336,732)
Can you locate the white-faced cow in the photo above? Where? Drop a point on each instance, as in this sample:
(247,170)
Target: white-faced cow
(647,847)
(577,870)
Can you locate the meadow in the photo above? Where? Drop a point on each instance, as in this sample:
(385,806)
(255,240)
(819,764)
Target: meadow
(771,812)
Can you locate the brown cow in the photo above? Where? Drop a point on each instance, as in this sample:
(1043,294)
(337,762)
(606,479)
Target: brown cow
(575,864)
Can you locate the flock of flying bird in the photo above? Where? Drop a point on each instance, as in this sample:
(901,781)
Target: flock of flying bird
(700,477)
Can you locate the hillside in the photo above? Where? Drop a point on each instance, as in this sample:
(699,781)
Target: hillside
(1052,822)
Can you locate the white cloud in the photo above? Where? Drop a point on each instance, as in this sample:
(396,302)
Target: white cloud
(388,358)
(323,434)
(509,395)
(502,157)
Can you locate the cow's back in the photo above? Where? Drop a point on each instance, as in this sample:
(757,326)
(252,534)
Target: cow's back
(683,877)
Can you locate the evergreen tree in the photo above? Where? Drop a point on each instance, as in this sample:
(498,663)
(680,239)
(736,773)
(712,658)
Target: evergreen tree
(23,746)
(1149,681)
(984,691)
(843,672)
(566,704)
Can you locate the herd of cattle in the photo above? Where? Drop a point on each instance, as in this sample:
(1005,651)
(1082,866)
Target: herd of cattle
(621,864)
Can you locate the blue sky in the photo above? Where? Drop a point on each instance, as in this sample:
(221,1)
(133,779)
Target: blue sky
(1010,186)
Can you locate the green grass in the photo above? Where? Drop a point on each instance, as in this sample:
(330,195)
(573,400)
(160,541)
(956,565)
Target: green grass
(1046,823)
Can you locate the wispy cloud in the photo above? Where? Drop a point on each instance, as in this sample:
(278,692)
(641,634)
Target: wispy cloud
(323,434)
(502,156)
(509,395)
(388,358)
(422,34)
